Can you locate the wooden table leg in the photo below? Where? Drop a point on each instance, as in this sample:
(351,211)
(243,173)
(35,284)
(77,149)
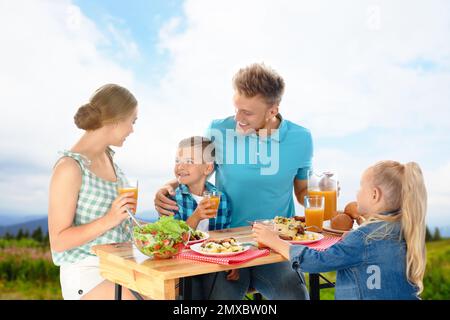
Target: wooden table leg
(314,286)
(117,291)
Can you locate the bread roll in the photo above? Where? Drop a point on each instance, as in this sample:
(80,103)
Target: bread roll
(351,209)
(342,222)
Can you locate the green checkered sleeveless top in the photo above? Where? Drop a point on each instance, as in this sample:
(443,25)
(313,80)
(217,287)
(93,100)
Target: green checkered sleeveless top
(94,201)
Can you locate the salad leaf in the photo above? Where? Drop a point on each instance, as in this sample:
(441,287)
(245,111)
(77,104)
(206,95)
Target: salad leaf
(161,236)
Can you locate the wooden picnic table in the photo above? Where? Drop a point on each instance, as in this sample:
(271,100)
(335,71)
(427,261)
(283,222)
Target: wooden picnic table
(124,265)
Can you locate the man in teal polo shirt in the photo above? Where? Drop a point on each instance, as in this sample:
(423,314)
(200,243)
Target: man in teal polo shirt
(261,188)
(261,159)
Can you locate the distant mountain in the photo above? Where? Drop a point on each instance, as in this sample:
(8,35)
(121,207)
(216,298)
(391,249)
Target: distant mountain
(29,226)
(12,224)
(9,219)
(33,223)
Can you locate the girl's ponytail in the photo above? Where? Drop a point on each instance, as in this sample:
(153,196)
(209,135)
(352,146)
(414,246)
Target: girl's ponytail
(414,207)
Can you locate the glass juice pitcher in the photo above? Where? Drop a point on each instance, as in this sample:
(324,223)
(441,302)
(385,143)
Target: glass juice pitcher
(324,184)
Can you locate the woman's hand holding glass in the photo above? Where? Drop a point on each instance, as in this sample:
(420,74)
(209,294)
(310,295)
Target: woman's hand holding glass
(118,211)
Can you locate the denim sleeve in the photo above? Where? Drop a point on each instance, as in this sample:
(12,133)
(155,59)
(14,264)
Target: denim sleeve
(347,253)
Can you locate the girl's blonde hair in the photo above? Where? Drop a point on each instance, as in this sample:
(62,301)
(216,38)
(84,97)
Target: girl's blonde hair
(404,189)
(110,103)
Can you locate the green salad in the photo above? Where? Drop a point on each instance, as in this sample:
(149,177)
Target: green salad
(163,237)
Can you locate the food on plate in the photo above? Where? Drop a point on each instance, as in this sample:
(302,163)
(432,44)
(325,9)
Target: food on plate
(342,222)
(197,235)
(221,246)
(289,228)
(351,209)
(163,238)
(300,218)
(293,229)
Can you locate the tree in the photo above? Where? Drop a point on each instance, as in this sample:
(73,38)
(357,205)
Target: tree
(8,236)
(428,236)
(19,234)
(437,235)
(38,235)
(47,239)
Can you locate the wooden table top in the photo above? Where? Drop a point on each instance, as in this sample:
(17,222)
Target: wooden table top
(129,257)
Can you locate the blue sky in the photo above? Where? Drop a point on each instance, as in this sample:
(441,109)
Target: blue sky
(139,20)
(368,82)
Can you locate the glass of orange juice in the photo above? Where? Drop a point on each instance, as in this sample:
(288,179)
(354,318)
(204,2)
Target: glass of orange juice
(314,212)
(129,185)
(214,198)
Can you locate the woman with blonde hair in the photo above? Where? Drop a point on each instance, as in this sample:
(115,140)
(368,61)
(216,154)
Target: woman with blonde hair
(84,206)
(385,257)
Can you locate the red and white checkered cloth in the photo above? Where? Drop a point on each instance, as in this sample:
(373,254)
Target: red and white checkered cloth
(324,244)
(251,254)
(237,259)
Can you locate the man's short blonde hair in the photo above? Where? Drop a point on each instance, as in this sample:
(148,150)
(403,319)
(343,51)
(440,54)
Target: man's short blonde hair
(259,79)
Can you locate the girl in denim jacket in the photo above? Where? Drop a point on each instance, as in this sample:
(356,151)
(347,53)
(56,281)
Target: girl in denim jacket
(385,257)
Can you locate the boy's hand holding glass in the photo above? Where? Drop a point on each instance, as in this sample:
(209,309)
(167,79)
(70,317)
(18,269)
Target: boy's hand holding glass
(205,210)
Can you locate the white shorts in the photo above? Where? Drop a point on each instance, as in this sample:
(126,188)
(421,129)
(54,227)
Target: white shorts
(79,278)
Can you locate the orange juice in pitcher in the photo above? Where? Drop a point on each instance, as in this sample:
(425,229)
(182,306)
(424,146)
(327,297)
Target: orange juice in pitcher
(330,202)
(325,185)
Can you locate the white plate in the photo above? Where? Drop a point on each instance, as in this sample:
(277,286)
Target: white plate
(318,235)
(206,234)
(196,248)
(327,227)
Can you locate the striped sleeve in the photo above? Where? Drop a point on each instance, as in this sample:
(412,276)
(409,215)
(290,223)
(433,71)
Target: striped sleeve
(223,220)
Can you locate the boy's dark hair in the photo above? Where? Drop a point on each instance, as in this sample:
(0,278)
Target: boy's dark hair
(207,147)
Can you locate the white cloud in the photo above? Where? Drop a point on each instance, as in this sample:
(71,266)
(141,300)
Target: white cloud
(340,73)
(49,69)
(50,65)
(345,66)
(127,49)
(344,63)
(438,188)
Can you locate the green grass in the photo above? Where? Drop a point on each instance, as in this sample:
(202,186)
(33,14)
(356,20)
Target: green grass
(437,275)
(22,243)
(30,290)
(27,272)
